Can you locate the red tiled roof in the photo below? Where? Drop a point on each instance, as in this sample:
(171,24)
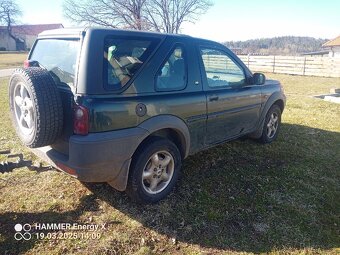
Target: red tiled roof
(334,42)
(32,29)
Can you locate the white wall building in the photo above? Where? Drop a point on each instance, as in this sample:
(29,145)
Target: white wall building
(333,46)
(25,36)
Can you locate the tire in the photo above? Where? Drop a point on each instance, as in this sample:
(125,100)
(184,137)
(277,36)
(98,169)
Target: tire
(271,125)
(36,106)
(153,185)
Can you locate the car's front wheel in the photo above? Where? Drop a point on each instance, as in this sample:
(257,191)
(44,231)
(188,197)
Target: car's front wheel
(154,171)
(271,125)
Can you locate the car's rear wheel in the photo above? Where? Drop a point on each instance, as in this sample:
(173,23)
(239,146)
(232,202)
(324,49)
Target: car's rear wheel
(154,171)
(271,125)
(35,106)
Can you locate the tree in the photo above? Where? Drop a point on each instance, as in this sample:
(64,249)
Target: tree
(284,45)
(157,15)
(168,15)
(9,12)
(109,13)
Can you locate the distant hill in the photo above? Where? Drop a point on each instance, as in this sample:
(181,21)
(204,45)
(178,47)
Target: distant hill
(285,45)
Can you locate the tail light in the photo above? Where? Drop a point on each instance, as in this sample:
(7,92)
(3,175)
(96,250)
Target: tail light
(26,63)
(31,63)
(80,120)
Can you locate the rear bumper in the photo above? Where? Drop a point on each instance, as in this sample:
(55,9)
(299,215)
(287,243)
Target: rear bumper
(97,157)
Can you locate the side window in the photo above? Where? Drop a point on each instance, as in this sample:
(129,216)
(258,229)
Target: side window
(221,70)
(173,73)
(123,57)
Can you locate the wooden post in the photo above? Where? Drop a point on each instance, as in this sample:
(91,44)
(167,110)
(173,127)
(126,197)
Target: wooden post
(304,66)
(248,59)
(274,65)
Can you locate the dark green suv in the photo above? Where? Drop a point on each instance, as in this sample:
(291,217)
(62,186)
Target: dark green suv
(126,107)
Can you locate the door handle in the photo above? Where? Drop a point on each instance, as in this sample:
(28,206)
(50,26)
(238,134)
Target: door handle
(213,98)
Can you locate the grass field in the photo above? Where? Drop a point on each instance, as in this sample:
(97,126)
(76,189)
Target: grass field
(240,197)
(12,60)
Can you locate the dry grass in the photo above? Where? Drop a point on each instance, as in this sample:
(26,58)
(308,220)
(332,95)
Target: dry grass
(12,59)
(241,197)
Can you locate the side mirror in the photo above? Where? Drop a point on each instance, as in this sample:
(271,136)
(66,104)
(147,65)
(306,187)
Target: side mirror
(259,78)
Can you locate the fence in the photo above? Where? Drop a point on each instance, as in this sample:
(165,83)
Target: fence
(313,66)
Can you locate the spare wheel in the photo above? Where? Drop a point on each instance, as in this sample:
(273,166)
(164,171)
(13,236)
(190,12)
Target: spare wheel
(35,106)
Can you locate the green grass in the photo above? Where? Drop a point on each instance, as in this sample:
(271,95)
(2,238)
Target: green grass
(12,59)
(240,197)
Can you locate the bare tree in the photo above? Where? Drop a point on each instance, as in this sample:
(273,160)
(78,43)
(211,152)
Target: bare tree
(110,13)
(168,15)
(157,15)
(9,12)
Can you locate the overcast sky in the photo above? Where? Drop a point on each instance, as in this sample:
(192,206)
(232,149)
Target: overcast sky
(231,20)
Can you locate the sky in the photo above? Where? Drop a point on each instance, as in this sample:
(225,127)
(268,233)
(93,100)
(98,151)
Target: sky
(230,20)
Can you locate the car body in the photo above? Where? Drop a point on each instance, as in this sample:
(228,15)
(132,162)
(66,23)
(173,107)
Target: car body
(200,106)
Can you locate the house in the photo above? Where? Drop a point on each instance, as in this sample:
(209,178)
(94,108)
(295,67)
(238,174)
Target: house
(333,46)
(23,36)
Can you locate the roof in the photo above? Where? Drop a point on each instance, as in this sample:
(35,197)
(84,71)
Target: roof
(77,30)
(334,42)
(32,29)
(67,32)
(320,52)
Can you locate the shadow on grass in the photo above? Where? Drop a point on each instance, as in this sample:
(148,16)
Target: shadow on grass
(241,196)
(9,166)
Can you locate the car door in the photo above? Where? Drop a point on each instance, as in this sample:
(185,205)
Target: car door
(233,106)
(170,84)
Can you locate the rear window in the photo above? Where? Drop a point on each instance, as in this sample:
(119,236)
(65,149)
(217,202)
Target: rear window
(123,57)
(59,57)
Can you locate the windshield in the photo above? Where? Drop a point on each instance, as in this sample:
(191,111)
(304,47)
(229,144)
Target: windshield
(59,56)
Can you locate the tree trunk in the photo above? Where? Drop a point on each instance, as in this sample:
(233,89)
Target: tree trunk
(17,40)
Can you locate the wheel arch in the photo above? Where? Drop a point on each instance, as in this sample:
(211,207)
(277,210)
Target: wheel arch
(280,103)
(171,134)
(275,99)
(170,127)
